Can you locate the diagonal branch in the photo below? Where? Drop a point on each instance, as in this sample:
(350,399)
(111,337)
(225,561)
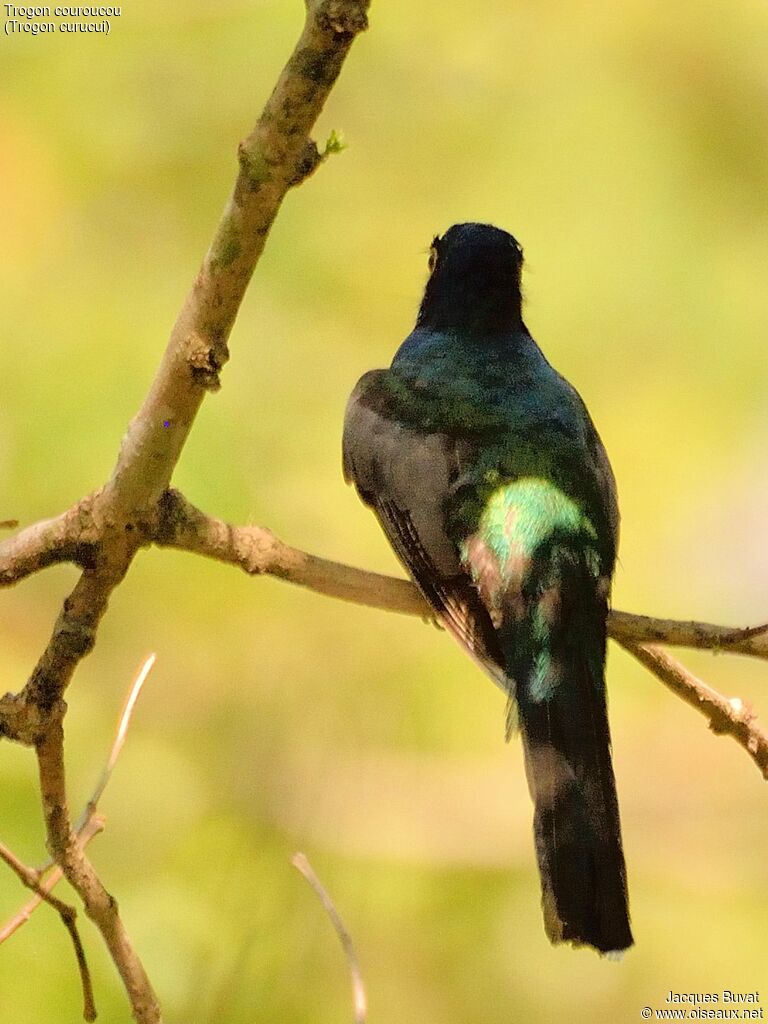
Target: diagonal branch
(103,532)
(50,876)
(68,917)
(729,717)
(277,155)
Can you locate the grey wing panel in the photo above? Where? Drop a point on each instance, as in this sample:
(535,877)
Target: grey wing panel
(390,461)
(404,476)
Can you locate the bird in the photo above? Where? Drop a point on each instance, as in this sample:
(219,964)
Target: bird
(493,487)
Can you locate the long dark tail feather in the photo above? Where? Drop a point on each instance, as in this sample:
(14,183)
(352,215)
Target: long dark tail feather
(567,746)
(576,824)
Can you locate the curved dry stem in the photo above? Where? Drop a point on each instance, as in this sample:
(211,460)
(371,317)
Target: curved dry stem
(301,863)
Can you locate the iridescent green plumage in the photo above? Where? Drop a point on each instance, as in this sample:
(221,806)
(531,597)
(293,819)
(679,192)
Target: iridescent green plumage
(489,479)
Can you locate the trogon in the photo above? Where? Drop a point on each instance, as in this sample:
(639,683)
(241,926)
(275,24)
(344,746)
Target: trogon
(493,487)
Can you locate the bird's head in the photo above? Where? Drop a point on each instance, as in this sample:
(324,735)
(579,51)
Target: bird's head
(475,280)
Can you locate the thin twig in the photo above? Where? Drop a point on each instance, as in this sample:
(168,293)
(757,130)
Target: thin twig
(99,905)
(50,876)
(68,915)
(300,862)
(74,863)
(750,631)
(729,717)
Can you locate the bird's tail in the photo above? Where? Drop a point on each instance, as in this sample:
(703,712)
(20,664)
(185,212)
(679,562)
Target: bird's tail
(557,657)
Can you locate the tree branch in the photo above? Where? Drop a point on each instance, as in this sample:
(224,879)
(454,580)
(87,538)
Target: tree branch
(50,876)
(258,551)
(69,537)
(70,855)
(728,717)
(272,159)
(99,905)
(68,916)
(751,640)
(90,823)
(103,532)
(119,516)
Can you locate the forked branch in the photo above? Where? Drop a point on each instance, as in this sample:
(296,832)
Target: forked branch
(102,533)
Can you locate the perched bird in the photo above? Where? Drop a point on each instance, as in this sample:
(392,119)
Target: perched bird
(493,487)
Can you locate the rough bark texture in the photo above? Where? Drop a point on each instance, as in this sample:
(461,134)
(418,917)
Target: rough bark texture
(103,532)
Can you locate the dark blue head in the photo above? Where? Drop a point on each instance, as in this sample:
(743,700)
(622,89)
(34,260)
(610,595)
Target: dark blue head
(475,280)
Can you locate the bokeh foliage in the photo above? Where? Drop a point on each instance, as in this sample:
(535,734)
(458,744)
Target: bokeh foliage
(625,145)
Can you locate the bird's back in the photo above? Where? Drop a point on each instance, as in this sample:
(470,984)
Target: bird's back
(487,474)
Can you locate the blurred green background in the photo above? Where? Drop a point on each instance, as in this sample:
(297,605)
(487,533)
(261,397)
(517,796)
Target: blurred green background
(626,146)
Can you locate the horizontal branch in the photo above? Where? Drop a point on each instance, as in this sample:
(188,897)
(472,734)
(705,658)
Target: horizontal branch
(258,551)
(751,640)
(69,537)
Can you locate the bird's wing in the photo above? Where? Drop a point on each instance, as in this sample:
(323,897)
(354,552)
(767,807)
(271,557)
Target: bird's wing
(404,475)
(599,469)
(606,482)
